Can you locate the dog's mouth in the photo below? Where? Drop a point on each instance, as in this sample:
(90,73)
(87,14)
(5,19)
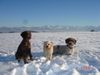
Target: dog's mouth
(29,37)
(70,46)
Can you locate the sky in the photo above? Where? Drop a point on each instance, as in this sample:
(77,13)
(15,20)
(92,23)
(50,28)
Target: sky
(49,12)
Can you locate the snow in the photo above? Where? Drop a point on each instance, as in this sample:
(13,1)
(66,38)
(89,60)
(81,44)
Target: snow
(86,62)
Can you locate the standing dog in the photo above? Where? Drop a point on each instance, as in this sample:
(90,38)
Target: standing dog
(24,49)
(48,50)
(67,49)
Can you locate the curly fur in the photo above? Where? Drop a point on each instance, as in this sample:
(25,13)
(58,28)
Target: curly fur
(65,49)
(24,49)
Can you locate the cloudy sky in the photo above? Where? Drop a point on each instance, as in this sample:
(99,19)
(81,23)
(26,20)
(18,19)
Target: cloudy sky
(49,12)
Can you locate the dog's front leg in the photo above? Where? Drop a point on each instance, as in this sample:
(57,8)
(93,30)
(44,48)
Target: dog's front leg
(25,60)
(30,55)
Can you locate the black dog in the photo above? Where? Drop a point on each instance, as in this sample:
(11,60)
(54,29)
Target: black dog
(24,49)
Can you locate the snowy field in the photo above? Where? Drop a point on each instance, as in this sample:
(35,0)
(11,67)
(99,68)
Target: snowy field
(86,62)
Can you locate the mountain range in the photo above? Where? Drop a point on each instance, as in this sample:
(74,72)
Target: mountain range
(49,28)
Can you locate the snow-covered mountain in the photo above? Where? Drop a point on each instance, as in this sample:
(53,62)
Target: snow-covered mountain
(50,28)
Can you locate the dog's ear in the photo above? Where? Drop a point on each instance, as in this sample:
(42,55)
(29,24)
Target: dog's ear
(70,39)
(74,40)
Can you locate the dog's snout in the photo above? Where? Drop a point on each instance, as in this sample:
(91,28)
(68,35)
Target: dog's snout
(47,46)
(70,43)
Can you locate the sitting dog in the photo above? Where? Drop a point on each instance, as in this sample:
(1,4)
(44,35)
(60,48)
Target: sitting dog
(24,49)
(48,50)
(65,49)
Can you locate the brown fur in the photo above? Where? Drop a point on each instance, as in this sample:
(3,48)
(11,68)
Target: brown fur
(24,49)
(70,40)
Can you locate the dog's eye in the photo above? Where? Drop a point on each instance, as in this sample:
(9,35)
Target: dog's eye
(48,44)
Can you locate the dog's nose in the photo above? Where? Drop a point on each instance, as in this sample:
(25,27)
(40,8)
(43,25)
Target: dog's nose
(46,46)
(70,43)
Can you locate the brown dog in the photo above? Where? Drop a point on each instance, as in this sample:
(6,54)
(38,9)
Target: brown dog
(24,49)
(67,49)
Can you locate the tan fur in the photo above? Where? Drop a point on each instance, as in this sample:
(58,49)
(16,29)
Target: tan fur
(48,50)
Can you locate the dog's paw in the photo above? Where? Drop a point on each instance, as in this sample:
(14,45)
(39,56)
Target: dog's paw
(31,59)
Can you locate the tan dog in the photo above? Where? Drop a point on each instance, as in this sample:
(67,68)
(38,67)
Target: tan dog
(48,50)
(67,49)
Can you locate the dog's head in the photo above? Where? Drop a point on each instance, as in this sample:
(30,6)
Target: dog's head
(26,35)
(48,44)
(70,42)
